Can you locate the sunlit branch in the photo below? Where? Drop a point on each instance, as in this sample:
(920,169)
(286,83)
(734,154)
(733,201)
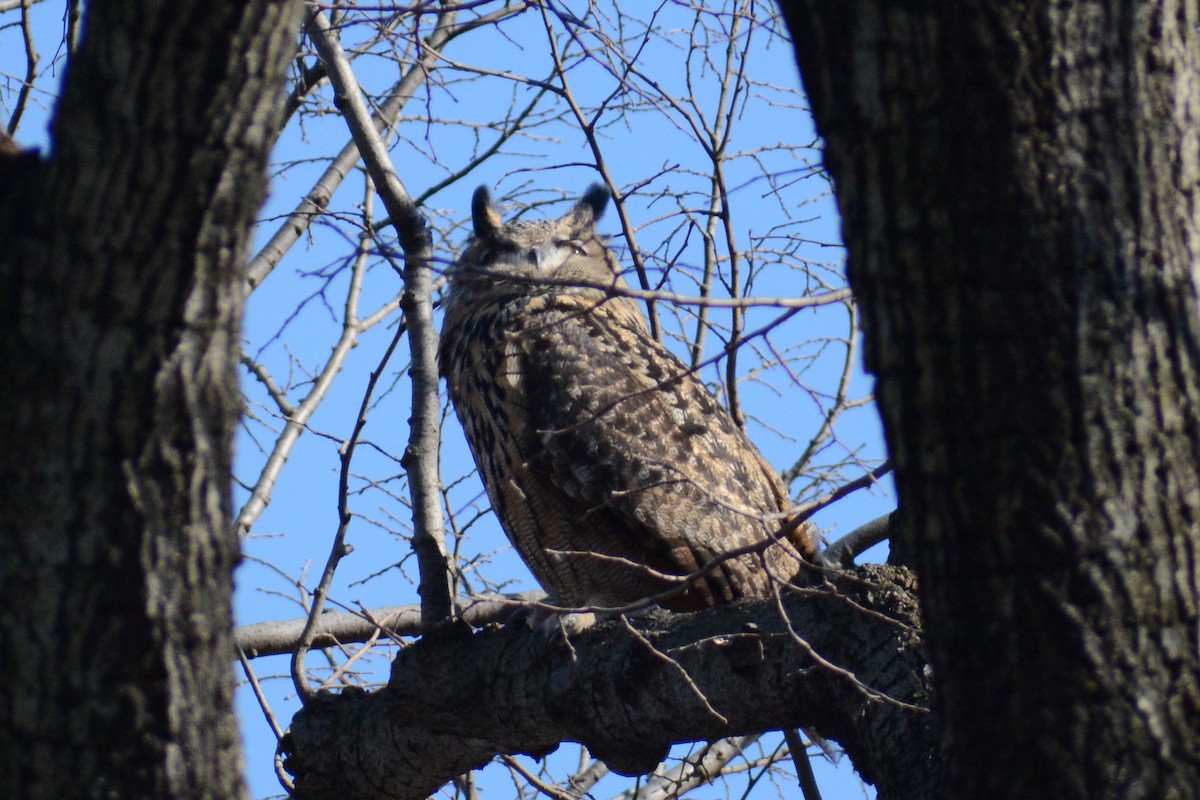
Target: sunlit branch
(699,769)
(421,456)
(347,627)
(318,198)
(31,62)
(339,549)
(297,419)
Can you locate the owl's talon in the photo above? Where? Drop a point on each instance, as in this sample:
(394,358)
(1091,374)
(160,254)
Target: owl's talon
(553,624)
(571,623)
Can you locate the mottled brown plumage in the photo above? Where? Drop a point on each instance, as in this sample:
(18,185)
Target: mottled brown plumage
(603,455)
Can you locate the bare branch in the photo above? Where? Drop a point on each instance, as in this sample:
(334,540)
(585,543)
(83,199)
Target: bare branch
(297,418)
(701,769)
(338,549)
(421,457)
(31,62)
(843,552)
(317,199)
(345,627)
(258,694)
(842,401)
(9,5)
(757,681)
(804,772)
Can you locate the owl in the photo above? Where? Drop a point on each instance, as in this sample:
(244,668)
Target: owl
(614,472)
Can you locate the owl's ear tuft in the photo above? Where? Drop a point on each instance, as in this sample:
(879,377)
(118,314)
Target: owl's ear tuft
(484,217)
(597,197)
(590,207)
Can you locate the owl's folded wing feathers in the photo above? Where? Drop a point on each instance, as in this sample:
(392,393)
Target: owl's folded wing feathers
(623,428)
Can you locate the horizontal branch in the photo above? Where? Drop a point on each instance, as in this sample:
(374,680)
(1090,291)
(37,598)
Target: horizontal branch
(843,552)
(459,697)
(345,627)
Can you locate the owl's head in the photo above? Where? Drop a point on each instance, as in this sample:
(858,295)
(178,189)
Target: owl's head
(561,250)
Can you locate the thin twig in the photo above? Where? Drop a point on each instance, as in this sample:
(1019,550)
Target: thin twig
(726,106)
(31,62)
(314,203)
(549,789)
(297,420)
(612,289)
(259,696)
(841,401)
(666,659)
(339,548)
(589,129)
(833,669)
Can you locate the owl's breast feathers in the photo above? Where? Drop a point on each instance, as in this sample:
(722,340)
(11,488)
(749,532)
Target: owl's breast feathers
(612,469)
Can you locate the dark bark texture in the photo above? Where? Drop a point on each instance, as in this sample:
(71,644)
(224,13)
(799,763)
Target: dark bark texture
(1018,184)
(120,301)
(457,697)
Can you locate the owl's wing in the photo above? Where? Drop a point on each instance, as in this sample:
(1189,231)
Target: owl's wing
(622,427)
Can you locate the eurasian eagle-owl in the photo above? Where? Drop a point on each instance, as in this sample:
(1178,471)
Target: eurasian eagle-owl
(611,468)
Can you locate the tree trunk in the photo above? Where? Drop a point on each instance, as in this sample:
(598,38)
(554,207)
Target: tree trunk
(120,302)
(1018,184)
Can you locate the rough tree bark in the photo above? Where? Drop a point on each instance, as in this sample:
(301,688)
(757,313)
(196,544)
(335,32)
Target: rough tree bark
(456,697)
(1018,182)
(120,301)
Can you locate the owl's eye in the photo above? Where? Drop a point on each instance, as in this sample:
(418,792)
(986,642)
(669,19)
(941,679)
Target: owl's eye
(576,246)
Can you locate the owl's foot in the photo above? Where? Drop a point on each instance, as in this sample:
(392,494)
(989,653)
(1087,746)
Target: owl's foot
(559,623)
(571,623)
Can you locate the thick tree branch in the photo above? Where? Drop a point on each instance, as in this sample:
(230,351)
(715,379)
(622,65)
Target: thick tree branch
(629,694)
